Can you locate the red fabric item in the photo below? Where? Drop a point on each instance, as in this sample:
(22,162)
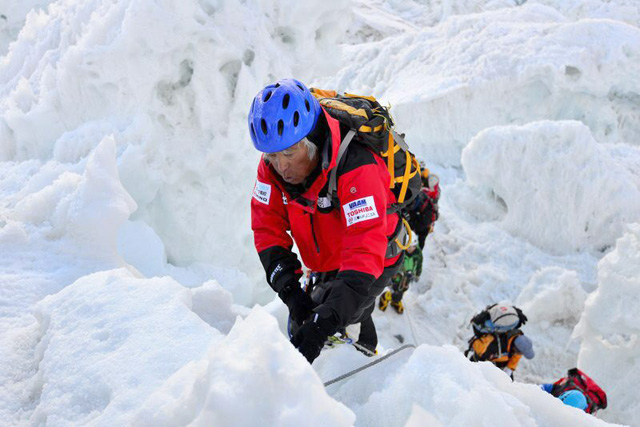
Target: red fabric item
(433,193)
(578,380)
(352,236)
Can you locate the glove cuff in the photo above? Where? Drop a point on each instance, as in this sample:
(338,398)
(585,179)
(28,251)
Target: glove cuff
(281,267)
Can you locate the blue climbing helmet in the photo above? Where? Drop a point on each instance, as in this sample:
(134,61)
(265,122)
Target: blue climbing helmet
(574,398)
(281,115)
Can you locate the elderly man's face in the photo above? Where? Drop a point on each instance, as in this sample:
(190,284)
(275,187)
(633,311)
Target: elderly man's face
(293,164)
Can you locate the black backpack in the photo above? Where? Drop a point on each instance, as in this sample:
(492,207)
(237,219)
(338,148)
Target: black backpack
(496,348)
(372,125)
(423,212)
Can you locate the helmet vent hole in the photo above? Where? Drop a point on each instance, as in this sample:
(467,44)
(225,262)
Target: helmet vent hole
(277,84)
(263,125)
(285,101)
(296,118)
(280,127)
(267,96)
(301,88)
(307,106)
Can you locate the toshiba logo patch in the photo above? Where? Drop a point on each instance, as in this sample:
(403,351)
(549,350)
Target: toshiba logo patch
(262,192)
(360,210)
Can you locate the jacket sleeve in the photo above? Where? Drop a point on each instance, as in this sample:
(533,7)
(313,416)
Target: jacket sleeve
(270,223)
(523,345)
(363,196)
(513,361)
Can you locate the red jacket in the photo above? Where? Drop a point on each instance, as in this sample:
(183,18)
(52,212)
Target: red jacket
(352,237)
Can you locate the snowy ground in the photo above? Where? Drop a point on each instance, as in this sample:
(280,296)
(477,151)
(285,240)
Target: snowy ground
(130,292)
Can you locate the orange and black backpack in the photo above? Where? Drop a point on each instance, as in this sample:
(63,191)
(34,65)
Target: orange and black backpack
(494,330)
(371,124)
(495,347)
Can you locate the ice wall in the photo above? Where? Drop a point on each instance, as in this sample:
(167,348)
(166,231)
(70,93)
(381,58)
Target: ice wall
(508,66)
(13,16)
(558,187)
(610,329)
(172,83)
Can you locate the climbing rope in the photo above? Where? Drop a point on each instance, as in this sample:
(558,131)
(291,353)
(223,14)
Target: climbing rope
(413,331)
(444,254)
(368,365)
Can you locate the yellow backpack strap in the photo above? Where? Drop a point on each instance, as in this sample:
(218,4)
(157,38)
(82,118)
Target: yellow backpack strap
(323,93)
(408,174)
(391,156)
(369,129)
(368,98)
(410,161)
(405,178)
(409,231)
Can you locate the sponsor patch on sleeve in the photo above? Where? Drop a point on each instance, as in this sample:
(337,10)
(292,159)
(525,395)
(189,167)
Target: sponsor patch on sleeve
(360,210)
(262,192)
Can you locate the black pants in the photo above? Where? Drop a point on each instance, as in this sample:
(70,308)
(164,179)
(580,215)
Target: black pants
(399,288)
(421,239)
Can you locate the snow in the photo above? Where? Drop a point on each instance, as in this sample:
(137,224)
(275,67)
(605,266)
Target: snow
(512,66)
(89,329)
(608,328)
(271,380)
(130,291)
(551,202)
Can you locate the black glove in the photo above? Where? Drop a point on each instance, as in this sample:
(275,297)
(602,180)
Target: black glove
(298,302)
(311,336)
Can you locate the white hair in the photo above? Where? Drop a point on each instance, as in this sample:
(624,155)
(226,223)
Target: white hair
(312,149)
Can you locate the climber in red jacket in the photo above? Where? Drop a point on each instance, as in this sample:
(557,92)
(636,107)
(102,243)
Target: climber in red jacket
(347,242)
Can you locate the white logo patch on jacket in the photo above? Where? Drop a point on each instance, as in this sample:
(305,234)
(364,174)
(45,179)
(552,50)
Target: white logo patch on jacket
(324,202)
(360,210)
(262,192)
